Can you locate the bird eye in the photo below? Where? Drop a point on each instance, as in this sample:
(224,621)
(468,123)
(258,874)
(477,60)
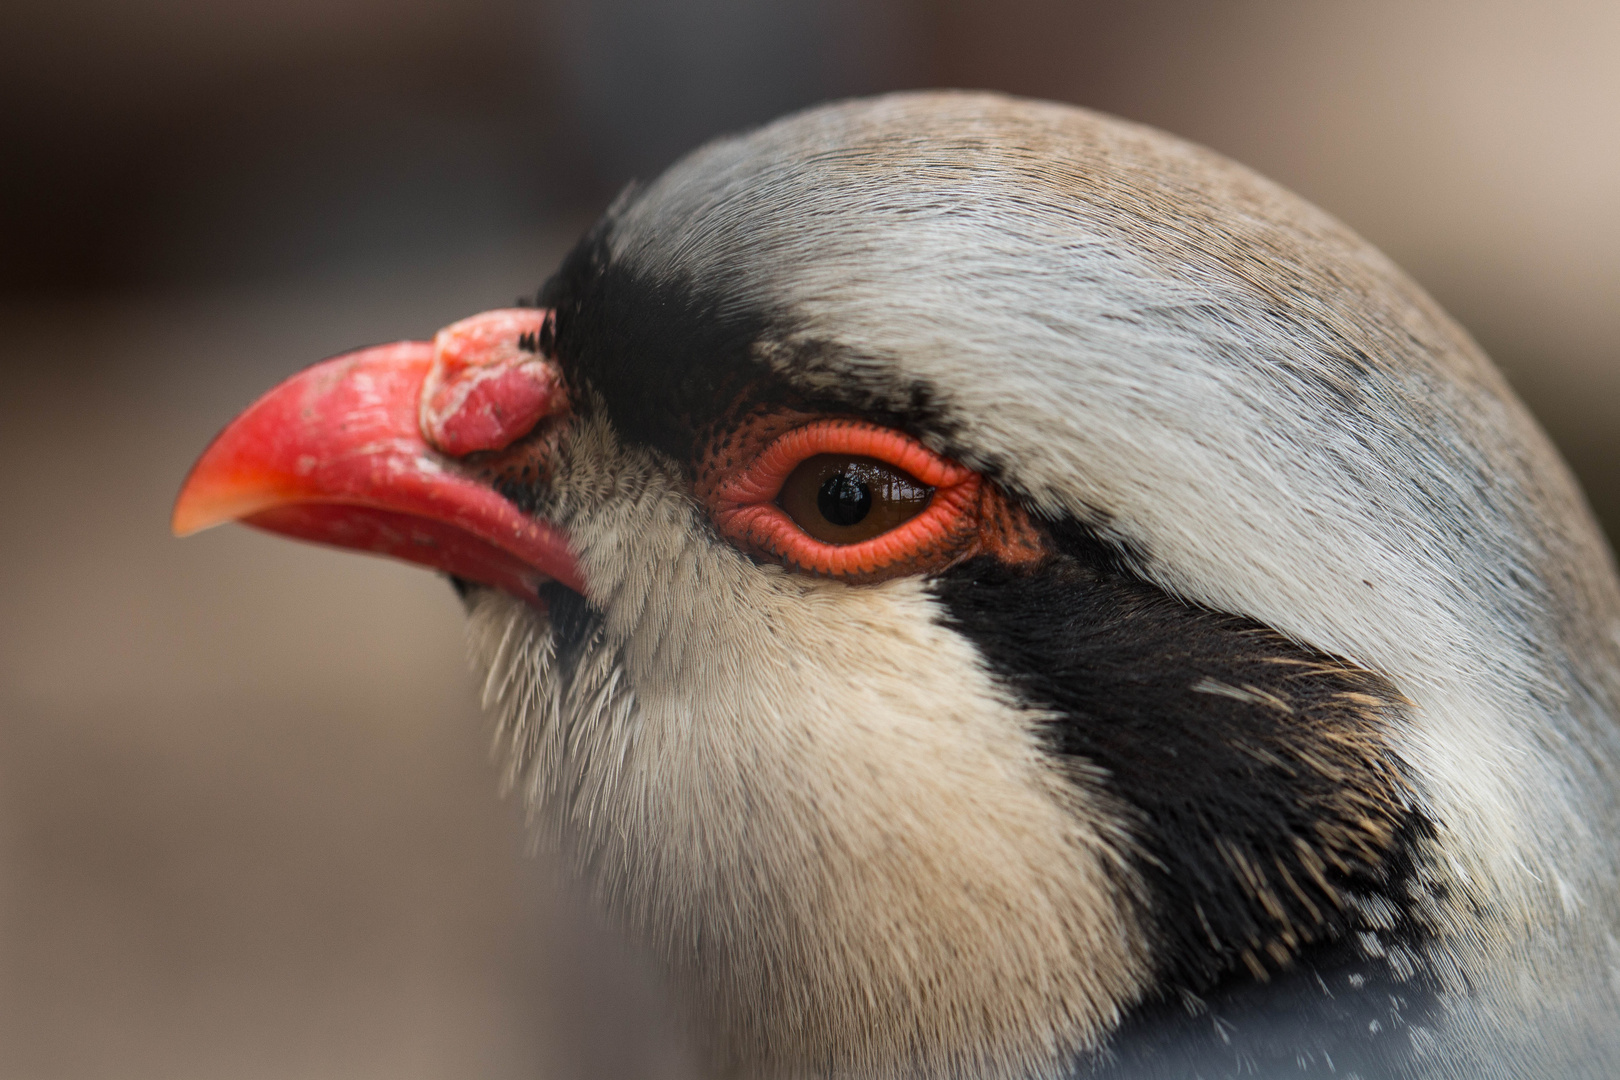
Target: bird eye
(857,501)
(849,499)
(842,499)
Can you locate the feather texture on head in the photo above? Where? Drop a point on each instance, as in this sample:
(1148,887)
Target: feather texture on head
(1240,657)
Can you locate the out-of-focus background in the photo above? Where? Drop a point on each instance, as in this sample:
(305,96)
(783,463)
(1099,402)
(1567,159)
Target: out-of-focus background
(248,823)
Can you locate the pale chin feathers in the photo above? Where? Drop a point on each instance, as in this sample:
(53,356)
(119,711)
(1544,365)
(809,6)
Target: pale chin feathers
(839,833)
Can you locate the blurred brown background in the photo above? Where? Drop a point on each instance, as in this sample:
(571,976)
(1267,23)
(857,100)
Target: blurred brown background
(248,825)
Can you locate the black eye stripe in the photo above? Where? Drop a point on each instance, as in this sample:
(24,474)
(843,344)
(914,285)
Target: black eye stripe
(1264,796)
(671,359)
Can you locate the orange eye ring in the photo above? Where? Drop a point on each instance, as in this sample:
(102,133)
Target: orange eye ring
(745,509)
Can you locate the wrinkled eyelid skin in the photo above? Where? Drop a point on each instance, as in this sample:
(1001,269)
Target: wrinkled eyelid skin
(966,516)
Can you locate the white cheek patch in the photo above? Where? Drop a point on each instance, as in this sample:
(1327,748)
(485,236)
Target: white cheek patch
(816,803)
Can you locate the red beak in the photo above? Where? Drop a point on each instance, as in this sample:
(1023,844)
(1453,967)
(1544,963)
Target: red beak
(337,455)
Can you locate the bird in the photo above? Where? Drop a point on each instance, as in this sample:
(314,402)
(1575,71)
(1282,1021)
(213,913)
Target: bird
(980,588)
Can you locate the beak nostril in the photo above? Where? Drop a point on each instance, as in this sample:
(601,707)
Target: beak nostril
(491,381)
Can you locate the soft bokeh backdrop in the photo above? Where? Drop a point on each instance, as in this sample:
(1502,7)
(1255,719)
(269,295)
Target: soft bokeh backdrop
(248,822)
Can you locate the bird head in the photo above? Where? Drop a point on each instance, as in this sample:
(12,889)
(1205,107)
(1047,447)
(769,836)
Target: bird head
(955,575)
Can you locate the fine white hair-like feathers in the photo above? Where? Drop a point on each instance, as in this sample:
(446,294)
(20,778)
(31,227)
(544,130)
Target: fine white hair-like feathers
(769,775)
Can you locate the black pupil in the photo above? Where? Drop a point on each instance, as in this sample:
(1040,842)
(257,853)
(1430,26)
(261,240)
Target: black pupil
(844,500)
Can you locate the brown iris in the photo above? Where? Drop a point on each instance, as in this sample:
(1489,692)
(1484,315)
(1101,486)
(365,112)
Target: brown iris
(842,499)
